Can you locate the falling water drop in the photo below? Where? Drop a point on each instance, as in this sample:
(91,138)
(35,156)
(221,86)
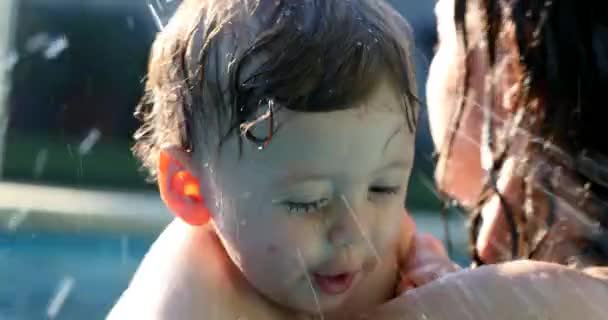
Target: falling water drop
(56,47)
(156,17)
(61,294)
(17,219)
(9,62)
(87,144)
(309,280)
(40,162)
(130,22)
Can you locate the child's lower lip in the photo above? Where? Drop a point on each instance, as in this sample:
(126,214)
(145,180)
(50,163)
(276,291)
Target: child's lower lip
(334,284)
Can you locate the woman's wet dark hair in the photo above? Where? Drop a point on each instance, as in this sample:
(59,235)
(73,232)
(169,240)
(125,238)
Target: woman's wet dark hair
(563,49)
(221,66)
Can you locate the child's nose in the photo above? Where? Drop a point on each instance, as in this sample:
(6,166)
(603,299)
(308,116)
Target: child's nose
(349,226)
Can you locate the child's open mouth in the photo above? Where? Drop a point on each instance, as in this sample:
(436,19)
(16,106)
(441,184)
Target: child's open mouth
(334,284)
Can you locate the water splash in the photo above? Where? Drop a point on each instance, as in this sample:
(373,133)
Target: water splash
(130,22)
(361,230)
(9,61)
(56,47)
(40,162)
(312,288)
(87,144)
(37,42)
(159,23)
(50,46)
(63,291)
(17,219)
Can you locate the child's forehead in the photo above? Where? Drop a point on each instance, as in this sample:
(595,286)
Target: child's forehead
(329,144)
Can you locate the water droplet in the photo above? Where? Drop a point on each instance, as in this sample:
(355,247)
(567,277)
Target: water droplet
(156,17)
(56,47)
(63,291)
(9,62)
(37,42)
(87,144)
(17,219)
(40,162)
(130,22)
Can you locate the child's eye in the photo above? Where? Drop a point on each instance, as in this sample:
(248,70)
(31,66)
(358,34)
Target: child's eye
(385,190)
(305,207)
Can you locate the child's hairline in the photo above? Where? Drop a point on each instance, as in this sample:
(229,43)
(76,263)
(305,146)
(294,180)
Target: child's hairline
(385,75)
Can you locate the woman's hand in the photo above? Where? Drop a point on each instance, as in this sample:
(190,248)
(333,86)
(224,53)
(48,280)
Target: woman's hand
(422,257)
(425,261)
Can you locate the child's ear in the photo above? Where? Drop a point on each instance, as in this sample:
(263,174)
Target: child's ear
(180,188)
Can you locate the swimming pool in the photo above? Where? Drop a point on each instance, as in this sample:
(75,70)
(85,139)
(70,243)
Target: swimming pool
(70,276)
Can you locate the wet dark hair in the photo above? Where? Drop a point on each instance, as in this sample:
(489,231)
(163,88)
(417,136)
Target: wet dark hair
(563,49)
(221,66)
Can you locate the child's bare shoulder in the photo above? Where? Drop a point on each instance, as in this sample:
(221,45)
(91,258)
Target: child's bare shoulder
(185,275)
(165,281)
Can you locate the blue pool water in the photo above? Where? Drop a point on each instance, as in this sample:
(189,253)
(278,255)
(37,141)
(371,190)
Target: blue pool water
(33,267)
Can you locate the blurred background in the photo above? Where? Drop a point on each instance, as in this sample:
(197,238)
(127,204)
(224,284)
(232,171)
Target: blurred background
(76,215)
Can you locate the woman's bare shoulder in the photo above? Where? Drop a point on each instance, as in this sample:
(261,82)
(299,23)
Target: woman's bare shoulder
(513,290)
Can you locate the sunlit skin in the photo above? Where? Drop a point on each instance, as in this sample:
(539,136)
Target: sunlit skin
(323,200)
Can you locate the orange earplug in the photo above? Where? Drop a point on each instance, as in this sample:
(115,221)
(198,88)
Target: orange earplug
(180,190)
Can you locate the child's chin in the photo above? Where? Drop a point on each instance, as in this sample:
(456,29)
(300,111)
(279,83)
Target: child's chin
(327,305)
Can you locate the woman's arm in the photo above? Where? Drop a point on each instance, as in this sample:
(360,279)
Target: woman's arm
(514,290)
